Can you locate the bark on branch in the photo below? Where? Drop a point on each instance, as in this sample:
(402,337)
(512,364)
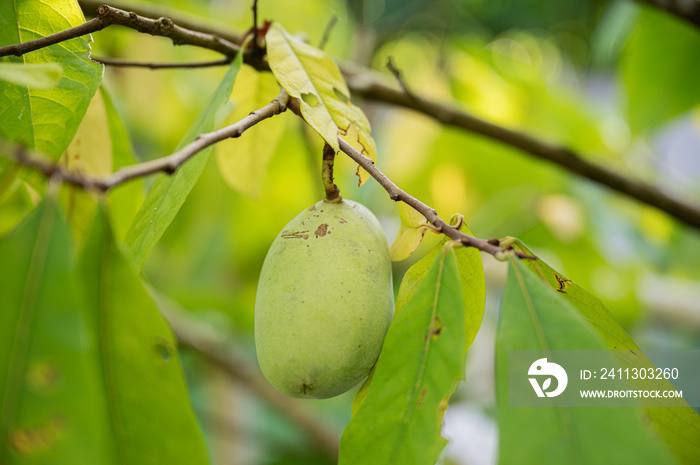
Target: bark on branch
(362,83)
(168,164)
(107,16)
(489,246)
(332,191)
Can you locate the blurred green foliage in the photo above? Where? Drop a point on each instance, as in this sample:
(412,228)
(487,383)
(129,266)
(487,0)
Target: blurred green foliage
(603,78)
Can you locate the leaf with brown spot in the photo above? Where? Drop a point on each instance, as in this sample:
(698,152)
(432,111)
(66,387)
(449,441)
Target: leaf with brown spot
(674,425)
(533,316)
(143,387)
(473,285)
(400,419)
(48,380)
(311,76)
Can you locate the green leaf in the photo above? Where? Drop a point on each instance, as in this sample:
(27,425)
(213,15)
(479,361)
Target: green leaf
(168,193)
(46,119)
(534,317)
(311,76)
(658,69)
(124,200)
(152,421)
(678,427)
(420,364)
(472,285)
(15,201)
(243,162)
(39,76)
(49,399)
(90,152)
(471,275)
(410,233)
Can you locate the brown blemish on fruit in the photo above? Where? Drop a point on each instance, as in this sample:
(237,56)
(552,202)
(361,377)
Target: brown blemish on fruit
(295,234)
(311,208)
(321,230)
(342,221)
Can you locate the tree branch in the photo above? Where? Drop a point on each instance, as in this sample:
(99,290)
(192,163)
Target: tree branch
(361,83)
(686,10)
(89,27)
(332,191)
(90,7)
(107,16)
(136,64)
(256,41)
(168,164)
(327,32)
(489,246)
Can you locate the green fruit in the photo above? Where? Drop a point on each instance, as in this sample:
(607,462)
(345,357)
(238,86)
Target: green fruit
(324,302)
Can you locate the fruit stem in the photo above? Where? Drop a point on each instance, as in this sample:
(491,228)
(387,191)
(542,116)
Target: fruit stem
(332,191)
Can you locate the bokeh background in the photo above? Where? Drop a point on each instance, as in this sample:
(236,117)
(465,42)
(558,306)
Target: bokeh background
(614,80)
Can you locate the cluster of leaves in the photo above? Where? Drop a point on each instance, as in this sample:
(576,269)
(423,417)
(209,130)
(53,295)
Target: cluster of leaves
(86,358)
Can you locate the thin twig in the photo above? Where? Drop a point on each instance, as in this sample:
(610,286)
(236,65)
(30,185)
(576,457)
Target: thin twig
(89,27)
(429,213)
(107,16)
(136,64)
(90,7)
(332,191)
(256,43)
(397,74)
(168,164)
(327,32)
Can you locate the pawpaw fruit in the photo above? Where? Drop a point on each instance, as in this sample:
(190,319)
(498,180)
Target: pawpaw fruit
(324,301)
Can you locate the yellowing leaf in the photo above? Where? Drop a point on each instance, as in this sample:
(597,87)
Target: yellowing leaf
(124,202)
(243,162)
(361,395)
(308,74)
(471,271)
(90,153)
(410,233)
